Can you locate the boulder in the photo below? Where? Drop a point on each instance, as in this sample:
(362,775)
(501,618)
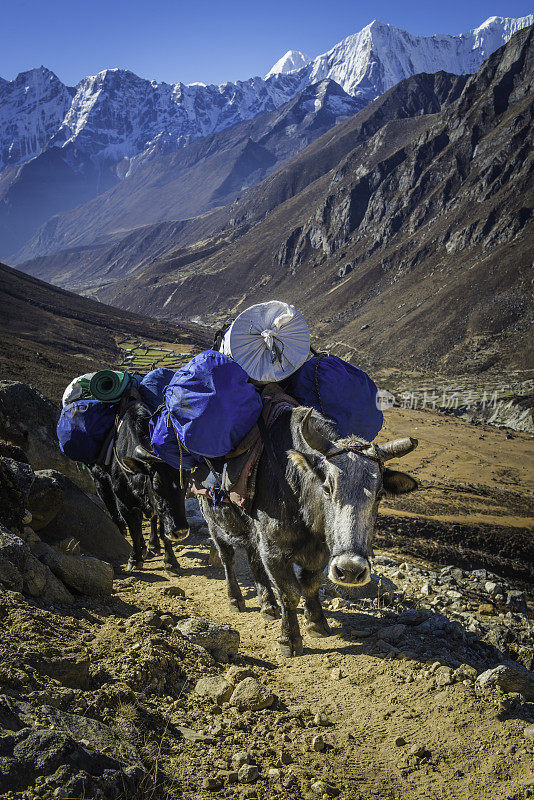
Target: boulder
(215,687)
(21,571)
(45,499)
(84,574)
(96,734)
(81,517)
(28,420)
(509,678)
(79,770)
(251,695)
(218,639)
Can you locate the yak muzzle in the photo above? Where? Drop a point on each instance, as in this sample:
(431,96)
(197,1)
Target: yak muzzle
(349,570)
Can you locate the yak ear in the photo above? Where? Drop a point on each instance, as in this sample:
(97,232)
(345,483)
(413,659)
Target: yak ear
(398,482)
(304,463)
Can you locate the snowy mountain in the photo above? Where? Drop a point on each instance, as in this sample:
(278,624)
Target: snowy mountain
(32,108)
(116,115)
(90,135)
(292,61)
(379,56)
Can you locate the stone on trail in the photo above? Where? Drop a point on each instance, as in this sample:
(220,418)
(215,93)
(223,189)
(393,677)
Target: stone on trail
(21,571)
(84,574)
(528,732)
(238,759)
(517,601)
(248,773)
(237,674)
(509,678)
(82,517)
(251,695)
(392,633)
(173,591)
(215,687)
(45,499)
(215,638)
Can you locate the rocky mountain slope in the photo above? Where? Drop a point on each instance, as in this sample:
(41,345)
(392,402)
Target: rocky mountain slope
(415,248)
(115,116)
(48,335)
(209,172)
(86,267)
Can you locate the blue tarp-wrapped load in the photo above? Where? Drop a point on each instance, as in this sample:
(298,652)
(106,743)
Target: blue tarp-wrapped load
(87,423)
(83,428)
(210,406)
(153,385)
(340,391)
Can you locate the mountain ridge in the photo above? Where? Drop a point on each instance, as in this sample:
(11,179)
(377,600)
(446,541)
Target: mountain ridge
(115,116)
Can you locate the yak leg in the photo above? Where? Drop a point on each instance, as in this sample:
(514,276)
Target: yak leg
(153,542)
(134,520)
(288,590)
(227,555)
(170,562)
(182,529)
(268,604)
(316,624)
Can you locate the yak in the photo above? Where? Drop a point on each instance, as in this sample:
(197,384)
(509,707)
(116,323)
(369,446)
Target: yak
(137,484)
(315,506)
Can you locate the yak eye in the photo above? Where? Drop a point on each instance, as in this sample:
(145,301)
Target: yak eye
(327,489)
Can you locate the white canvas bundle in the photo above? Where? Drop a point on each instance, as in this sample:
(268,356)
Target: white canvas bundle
(269,341)
(75,389)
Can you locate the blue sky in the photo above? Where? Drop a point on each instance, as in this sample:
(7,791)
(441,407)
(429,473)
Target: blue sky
(203,40)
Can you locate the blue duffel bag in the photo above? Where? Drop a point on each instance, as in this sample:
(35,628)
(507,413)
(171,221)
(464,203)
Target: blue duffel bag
(83,427)
(153,385)
(165,444)
(340,391)
(211,406)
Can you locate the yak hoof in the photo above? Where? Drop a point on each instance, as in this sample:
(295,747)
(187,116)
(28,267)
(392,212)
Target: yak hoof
(172,569)
(268,610)
(238,604)
(134,564)
(290,649)
(318,630)
(180,535)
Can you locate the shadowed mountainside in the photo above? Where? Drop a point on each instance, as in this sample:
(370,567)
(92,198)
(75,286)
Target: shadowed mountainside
(89,266)
(209,172)
(414,250)
(49,335)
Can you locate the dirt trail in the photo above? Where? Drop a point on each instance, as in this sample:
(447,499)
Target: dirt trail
(372,701)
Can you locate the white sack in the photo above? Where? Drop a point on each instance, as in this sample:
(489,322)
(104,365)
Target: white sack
(75,390)
(269,341)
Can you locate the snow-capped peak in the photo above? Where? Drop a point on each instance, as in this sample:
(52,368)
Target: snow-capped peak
(292,61)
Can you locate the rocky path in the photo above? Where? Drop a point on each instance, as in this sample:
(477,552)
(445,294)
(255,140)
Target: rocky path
(388,707)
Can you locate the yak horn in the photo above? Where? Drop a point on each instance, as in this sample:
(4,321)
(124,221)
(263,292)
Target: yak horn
(396,448)
(312,437)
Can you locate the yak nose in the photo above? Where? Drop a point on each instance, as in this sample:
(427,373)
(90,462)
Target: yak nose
(350,570)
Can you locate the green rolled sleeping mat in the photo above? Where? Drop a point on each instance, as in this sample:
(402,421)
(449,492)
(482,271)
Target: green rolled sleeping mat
(108,385)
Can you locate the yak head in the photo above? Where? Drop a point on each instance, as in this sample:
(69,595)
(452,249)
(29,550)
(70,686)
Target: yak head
(341,483)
